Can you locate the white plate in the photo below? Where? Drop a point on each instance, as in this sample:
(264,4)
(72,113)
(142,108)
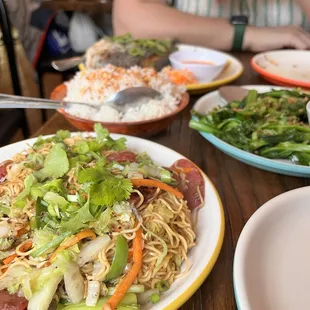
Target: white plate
(210,228)
(284,67)
(272,258)
(208,102)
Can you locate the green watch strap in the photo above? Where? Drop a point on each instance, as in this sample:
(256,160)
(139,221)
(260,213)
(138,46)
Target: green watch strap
(238,37)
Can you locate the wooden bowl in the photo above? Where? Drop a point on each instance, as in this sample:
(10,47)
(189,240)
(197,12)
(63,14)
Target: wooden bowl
(140,128)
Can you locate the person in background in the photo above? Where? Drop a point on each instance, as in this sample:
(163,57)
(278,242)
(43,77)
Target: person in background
(254,25)
(38,28)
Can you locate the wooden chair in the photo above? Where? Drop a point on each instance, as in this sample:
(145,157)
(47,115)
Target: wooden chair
(13,119)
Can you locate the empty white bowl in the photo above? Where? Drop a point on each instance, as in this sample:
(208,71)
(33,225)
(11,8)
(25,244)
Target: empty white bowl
(203,72)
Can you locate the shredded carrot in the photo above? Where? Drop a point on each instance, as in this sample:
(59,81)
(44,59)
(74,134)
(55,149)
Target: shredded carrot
(181,76)
(9,259)
(87,233)
(22,231)
(125,284)
(24,248)
(155,183)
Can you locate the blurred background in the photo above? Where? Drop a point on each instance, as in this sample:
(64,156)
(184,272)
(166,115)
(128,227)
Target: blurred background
(34,32)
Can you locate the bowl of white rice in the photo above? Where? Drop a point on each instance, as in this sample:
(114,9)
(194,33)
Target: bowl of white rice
(139,118)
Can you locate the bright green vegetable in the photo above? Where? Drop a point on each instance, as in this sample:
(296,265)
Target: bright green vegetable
(56,163)
(273,124)
(135,288)
(120,258)
(56,186)
(63,134)
(154,299)
(51,245)
(109,191)
(149,170)
(101,224)
(162,285)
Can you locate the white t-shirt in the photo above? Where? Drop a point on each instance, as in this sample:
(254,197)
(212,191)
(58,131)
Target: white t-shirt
(260,12)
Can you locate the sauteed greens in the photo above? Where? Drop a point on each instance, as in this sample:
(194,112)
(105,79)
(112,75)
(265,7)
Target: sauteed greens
(273,124)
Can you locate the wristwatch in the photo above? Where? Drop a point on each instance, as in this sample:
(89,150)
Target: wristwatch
(239,22)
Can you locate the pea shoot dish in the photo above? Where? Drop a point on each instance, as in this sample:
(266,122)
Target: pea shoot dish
(272,124)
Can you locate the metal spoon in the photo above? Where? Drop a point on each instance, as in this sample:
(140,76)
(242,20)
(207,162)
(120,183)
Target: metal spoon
(68,63)
(232,93)
(117,100)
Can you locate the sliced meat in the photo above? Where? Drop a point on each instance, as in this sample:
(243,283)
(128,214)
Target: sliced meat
(147,192)
(190,182)
(122,157)
(3,171)
(12,302)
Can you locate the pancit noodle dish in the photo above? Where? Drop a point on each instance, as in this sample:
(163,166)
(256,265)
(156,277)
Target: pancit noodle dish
(86,223)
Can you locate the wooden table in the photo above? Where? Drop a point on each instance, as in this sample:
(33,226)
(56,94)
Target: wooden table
(242,188)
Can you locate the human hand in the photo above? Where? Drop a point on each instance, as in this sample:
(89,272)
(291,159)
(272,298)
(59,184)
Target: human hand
(258,39)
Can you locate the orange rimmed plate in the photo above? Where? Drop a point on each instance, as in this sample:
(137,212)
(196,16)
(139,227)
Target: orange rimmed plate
(285,68)
(140,128)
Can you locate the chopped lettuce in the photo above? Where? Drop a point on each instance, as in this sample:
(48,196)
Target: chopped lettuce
(45,284)
(55,199)
(18,276)
(101,224)
(56,163)
(50,245)
(128,302)
(144,159)
(55,185)
(34,161)
(4,210)
(41,237)
(6,243)
(123,210)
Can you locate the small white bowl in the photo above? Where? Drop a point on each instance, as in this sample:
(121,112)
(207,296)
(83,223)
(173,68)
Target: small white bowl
(204,73)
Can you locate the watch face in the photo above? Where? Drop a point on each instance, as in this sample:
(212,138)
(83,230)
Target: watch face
(239,20)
